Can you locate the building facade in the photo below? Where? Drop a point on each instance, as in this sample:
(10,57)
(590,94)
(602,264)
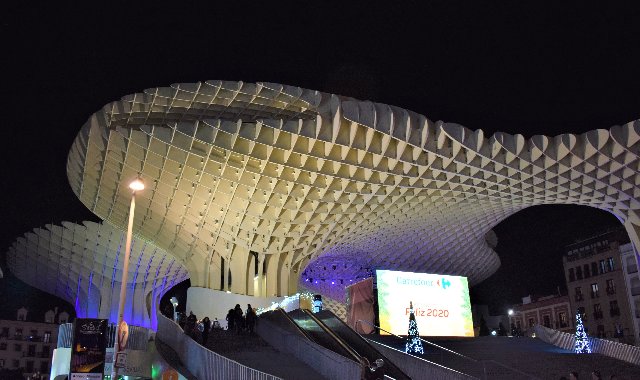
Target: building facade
(552,311)
(632,280)
(29,345)
(597,286)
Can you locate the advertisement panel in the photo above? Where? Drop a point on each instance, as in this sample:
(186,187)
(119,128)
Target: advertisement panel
(441,303)
(88,350)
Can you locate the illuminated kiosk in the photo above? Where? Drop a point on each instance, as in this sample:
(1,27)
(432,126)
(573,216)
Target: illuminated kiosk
(250,186)
(82,264)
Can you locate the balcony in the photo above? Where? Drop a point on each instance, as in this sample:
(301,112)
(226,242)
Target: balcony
(614,312)
(579,297)
(597,315)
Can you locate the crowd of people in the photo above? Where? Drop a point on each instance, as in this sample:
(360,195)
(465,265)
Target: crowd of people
(238,322)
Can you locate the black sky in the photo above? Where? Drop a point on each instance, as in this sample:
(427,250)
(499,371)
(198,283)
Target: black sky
(534,68)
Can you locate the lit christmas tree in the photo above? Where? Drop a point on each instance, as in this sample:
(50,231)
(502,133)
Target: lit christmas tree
(414,345)
(582,342)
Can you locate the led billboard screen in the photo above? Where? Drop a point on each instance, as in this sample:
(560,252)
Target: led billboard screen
(440,303)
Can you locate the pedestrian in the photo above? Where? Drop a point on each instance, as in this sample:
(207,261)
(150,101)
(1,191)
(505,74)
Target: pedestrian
(238,318)
(190,326)
(206,327)
(231,319)
(251,318)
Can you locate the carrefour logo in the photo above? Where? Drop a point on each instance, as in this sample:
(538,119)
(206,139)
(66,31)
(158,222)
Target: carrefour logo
(444,284)
(441,283)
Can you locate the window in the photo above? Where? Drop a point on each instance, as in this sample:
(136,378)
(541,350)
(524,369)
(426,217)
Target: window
(562,317)
(611,286)
(5,332)
(16,363)
(594,268)
(531,322)
(579,296)
(31,350)
(3,346)
(597,311)
(29,368)
(614,309)
(586,271)
(546,321)
(603,268)
(582,313)
(1,363)
(610,264)
(579,273)
(47,337)
(18,334)
(601,333)
(44,367)
(17,347)
(594,291)
(572,275)
(46,351)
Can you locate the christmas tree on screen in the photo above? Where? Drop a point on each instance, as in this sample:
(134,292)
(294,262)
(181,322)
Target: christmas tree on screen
(414,345)
(582,342)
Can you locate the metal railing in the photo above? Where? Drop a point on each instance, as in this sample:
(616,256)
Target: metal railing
(201,362)
(455,361)
(620,351)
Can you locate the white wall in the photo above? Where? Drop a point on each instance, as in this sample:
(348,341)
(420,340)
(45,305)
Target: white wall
(211,303)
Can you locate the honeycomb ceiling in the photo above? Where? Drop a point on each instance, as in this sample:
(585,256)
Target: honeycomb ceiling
(329,186)
(83,265)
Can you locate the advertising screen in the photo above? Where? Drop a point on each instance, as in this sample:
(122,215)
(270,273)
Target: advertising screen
(441,303)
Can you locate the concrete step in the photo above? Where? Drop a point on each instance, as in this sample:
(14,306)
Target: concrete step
(252,351)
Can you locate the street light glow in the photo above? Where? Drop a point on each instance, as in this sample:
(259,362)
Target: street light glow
(137,184)
(510,311)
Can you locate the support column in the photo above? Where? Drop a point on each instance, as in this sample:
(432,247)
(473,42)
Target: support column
(225,274)
(258,283)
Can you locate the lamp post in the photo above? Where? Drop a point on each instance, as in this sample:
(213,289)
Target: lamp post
(135,185)
(174,302)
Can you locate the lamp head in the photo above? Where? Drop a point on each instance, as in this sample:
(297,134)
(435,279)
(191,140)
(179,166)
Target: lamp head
(174,301)
(137,184)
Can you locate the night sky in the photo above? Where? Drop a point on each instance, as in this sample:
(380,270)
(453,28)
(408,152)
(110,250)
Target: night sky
(519,68)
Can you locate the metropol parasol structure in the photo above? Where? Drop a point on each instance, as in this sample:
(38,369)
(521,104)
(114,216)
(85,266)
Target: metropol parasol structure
(258,189)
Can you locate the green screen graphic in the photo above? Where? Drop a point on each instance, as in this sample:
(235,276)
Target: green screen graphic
(440,303)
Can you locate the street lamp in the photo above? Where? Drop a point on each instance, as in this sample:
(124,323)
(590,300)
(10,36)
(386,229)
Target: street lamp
(510,311)
(135,185)
(174,302)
